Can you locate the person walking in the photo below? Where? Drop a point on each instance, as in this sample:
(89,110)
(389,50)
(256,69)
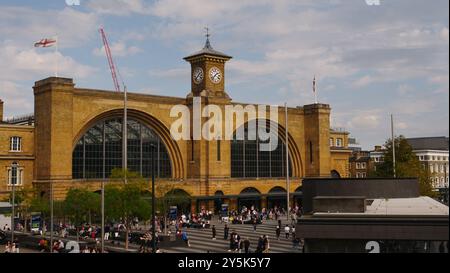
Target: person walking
(254,224)
(16,243)
(287,230)
(266,244)
(8,247)
(246,245)
(226,229)
(213,232)
(185,238)
(278,232)
(260,247)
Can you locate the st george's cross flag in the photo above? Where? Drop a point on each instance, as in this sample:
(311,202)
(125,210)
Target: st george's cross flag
(49,42)
(45,43)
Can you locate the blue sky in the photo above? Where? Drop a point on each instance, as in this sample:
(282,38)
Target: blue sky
(370,61)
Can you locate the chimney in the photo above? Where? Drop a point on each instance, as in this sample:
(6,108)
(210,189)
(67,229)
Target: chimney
(1,111)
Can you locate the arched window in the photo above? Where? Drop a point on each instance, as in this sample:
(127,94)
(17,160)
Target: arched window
(248,160)
(99,151)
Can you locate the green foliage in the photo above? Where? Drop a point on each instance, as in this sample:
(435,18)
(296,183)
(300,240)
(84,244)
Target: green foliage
(80,205)
(407,165)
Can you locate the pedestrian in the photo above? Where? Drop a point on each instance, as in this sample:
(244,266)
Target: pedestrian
(287,230)
(8,247)
(107,231)
(213,232)
(16,243)
(278,232)
(185,238)
(293,231)
(260,247)
(266,244)
(226,229)
(254,224)
(246,245)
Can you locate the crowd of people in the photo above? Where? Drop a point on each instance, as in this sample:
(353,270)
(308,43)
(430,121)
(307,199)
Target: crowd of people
(12,247)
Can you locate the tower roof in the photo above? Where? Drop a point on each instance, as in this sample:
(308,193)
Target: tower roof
(208,50)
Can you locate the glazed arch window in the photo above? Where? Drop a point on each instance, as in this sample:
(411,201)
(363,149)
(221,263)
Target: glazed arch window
(99,151)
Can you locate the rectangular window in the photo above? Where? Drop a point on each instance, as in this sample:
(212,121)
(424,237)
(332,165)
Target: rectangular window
(331,142)
(339,142)
(310,152)
(15,176)
(363,165)
(358,165)
(15,144)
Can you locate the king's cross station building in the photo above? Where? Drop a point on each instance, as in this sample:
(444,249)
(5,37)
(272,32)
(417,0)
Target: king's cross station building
(74,140)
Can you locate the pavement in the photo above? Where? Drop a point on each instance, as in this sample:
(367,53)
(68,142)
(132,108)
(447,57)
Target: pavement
(201,239)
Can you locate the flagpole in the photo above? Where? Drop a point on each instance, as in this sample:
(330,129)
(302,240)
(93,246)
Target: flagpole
(314,90)
(287,161)
(56,55)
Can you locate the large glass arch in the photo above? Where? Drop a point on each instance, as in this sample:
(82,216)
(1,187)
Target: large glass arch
(249,161)
(99,151)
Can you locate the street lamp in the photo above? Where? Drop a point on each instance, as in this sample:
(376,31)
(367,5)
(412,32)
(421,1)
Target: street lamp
(14,173)
(153,198)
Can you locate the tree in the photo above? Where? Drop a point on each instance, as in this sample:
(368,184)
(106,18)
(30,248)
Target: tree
(126,202)
(406,165)
(23,199)
(80,205)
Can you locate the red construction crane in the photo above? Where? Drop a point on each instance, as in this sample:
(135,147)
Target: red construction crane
(110,60)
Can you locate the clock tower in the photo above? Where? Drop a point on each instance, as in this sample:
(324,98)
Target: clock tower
(208,71)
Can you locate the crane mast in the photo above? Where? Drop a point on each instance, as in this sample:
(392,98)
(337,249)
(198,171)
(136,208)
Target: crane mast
(110,60)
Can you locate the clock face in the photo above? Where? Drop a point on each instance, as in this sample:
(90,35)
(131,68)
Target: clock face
(197,75)
(215,75)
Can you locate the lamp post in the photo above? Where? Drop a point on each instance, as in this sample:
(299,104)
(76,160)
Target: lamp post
(14,173)
(153,199)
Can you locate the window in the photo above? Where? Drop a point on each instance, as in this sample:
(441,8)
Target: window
(15,176)
(339,142)
(99,151)
(363,165)
(310,152)
(421,158)
(15,144)
(331,142)
(431,168)
(358,165)
(247,160)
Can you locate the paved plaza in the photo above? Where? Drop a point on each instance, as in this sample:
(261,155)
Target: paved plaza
(201,239)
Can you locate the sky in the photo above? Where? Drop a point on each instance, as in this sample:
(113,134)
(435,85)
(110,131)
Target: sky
(369,60)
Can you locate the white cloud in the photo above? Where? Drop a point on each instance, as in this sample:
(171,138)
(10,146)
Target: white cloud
(24,26)
(22,64)
(118,49)
(119,7)
(367,120)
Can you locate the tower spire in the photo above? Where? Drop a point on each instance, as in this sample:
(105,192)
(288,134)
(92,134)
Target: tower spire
(207,44)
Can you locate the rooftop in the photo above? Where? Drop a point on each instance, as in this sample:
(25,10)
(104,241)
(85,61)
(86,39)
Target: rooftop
(429,143)
(419,206)
(208,50)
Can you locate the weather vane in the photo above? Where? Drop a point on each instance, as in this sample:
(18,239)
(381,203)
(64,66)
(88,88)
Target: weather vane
(207,32)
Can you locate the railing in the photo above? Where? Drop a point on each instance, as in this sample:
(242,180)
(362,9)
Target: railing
(20,119)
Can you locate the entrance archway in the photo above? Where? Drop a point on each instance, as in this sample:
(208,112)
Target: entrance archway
(249,197)
(276,198)
(298,197)
(218,201)
(179,198)
(335,174)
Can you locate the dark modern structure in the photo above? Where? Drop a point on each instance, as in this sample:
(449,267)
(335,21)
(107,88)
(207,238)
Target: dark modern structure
(371,215)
